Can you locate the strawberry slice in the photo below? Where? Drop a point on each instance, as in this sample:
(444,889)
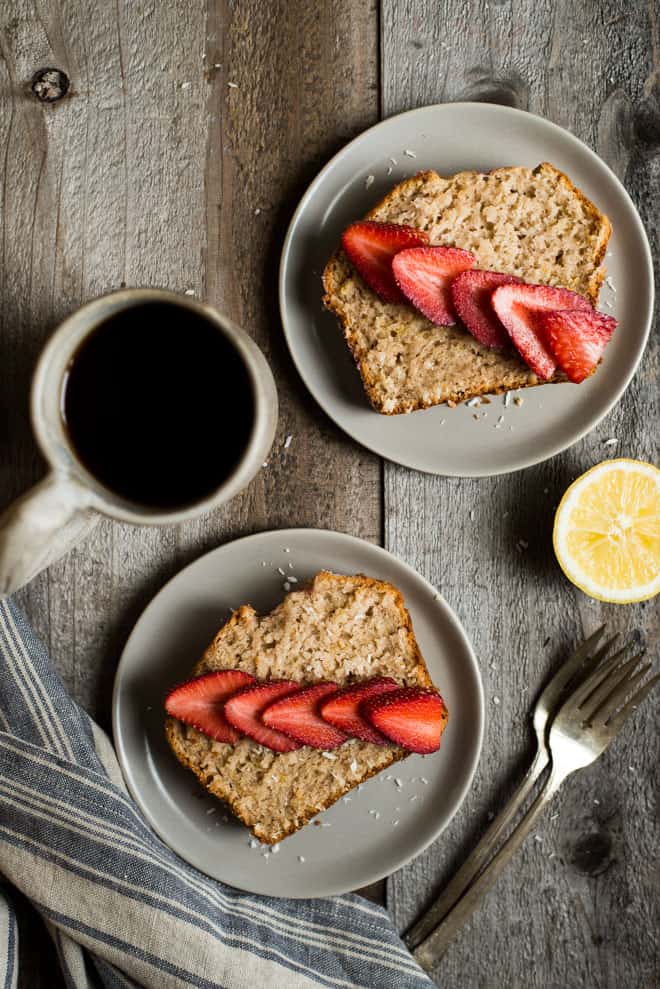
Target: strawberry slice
(411,716)
(342,709)
(424,275)
(199,702)
(245,709)
(470,295)
(298,716)
(371,245)
(518,306)
(577,339)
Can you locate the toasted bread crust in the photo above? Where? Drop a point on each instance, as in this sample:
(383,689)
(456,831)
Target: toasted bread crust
(184,740)
(516,374)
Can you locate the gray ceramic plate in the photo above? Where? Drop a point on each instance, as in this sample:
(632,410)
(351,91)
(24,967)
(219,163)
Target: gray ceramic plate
(360,842)
(448,138)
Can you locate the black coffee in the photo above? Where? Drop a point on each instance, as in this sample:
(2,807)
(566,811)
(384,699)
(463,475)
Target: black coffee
(158,405)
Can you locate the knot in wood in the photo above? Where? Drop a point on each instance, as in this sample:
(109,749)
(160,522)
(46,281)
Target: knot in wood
(592,853)
(50,85)
(506,89)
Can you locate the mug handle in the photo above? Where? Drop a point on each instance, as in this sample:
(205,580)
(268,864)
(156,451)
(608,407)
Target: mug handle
(40,527)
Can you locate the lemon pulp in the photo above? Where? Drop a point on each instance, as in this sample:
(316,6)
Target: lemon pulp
(607,531)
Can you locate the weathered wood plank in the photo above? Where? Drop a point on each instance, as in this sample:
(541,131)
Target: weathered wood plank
(154,170)
(559,917)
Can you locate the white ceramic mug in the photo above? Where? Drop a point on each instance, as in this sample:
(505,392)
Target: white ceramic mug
(53,516)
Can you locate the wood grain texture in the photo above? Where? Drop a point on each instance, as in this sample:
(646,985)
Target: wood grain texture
(578,908)
(154,170)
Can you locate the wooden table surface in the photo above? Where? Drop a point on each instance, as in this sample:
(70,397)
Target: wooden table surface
(189,132)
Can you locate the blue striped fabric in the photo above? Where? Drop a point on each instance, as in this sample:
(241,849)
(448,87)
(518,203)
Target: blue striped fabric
(123,909)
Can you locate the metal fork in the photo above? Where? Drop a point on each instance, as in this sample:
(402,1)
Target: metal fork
(588,720)
(582,660)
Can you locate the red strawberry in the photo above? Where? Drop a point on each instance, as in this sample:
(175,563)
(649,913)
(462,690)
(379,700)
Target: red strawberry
(199,702)
(424,275)
(470,294)
(411,716)
(245,709)
(342,709)
(577,339)
(298,716)
(371,246)
(517,307)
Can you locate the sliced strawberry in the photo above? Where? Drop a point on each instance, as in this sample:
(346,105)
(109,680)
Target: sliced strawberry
(371,245)
(424,275)
(244,711)
(470,295)
(199,702)
(342,709)
(517,307)
(411,716)
(298,716)
(577,339)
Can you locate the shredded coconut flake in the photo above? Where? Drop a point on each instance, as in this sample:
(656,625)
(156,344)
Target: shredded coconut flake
(287,442)
(328,755)
(409,154)
(611,442)
(369,181)
(233,85)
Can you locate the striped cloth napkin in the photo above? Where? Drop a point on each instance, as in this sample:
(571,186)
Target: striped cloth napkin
(122,909)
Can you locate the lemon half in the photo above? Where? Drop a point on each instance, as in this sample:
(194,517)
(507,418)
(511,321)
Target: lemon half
(607,531)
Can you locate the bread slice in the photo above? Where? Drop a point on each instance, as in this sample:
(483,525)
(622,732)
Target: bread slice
(531,223)
(339,628)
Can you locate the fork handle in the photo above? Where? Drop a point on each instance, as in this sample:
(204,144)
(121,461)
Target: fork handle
(478,857)
(431,950)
